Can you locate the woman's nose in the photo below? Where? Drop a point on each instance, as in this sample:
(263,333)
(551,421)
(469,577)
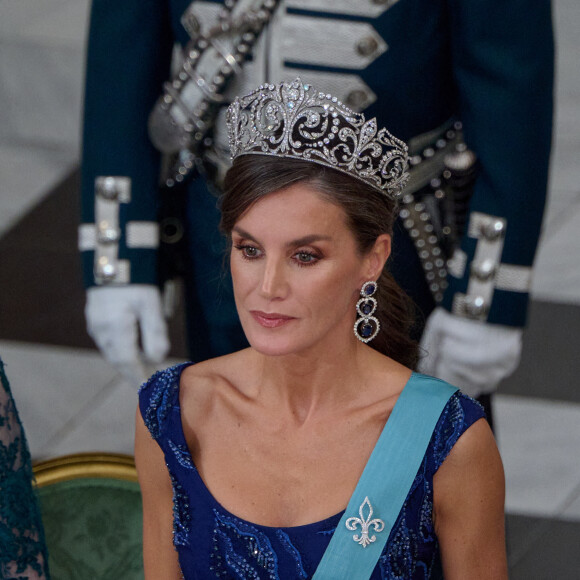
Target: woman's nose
(274,283)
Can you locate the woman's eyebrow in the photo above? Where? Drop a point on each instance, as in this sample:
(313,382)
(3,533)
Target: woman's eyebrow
(244,234)
(303,241)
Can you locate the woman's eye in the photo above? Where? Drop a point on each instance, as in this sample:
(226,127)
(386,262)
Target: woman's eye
(306,258)
(248,252)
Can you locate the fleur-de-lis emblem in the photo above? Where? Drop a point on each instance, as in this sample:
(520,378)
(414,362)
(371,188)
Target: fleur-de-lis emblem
(365,523)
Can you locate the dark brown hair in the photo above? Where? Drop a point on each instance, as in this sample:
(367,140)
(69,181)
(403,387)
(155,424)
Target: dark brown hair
(369,214)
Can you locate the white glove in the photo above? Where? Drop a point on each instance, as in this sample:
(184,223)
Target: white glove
(114,316)
(472,355)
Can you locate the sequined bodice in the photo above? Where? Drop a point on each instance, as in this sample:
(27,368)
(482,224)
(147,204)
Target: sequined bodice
(213,543)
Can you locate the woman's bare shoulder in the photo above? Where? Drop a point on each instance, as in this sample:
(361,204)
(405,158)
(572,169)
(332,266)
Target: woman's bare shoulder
(384,379)
(216,368)
(202,381)
(387,374)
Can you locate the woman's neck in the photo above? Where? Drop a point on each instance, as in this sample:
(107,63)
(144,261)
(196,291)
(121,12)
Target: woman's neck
(310,384)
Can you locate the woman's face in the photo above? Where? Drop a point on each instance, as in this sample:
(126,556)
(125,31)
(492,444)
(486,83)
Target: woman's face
(297,272)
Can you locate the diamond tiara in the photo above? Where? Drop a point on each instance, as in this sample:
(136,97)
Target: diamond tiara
(294,120)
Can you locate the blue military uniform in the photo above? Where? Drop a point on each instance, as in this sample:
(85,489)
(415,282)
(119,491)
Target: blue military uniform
(414,64)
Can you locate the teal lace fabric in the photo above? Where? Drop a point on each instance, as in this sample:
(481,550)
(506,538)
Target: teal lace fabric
(22,546)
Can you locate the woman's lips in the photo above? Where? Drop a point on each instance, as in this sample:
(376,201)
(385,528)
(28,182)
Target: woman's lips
(270,320)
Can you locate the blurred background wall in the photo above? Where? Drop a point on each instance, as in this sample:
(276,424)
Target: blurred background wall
(70,400)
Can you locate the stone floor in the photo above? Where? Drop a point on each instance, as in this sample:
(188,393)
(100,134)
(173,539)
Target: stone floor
(71,400)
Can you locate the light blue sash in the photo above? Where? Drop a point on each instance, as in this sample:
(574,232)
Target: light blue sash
(385,481)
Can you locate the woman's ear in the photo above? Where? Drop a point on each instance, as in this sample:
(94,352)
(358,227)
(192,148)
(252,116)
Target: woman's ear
(377,256)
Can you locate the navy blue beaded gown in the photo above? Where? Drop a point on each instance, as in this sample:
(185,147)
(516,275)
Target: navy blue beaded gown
(213,543)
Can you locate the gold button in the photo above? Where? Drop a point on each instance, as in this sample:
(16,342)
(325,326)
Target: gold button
(357,99)
(493,229)
(476,306)
(367,46)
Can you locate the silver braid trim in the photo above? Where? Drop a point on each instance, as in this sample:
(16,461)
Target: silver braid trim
(294,120)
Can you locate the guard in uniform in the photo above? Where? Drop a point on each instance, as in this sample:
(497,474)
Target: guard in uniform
(467,83)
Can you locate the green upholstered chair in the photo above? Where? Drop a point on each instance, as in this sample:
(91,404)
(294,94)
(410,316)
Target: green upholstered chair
(91,510)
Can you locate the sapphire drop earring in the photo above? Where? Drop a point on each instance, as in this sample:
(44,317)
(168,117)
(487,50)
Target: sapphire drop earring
(367,326)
